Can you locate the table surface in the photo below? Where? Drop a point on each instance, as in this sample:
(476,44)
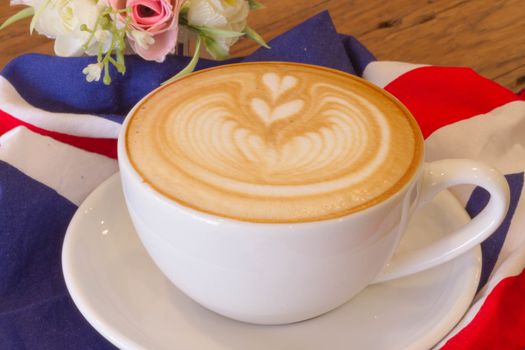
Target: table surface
(486,35)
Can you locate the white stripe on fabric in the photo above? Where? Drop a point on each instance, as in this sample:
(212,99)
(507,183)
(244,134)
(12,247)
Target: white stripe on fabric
(381,73)
(70,171)
(85,125)
(496,138)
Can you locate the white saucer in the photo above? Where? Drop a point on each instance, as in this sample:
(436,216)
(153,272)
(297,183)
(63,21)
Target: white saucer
(126,298)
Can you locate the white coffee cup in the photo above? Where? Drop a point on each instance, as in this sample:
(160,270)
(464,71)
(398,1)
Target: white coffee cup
(277,273)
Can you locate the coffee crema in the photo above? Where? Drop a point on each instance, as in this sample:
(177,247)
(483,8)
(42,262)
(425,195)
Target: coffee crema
(273,142)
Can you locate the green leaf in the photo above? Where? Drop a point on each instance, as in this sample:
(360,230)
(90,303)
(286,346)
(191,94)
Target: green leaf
(216,50)
(208,31)
(27,12)
(252,34)
(255,5)
(191,65)
(37,15)
(183,15)
(184,10)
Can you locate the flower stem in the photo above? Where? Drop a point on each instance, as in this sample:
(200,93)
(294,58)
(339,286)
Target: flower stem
(191,65)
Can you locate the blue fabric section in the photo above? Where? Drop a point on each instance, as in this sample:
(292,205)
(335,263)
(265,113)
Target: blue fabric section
(57,84)
(358,54)
(36,311)
(491,247)
(314,42)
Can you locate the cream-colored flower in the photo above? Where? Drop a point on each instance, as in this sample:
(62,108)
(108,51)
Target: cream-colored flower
(61,20)
(221,14)
(143,38)
(102,37)
(93,72)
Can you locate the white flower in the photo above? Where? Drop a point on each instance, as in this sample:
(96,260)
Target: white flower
(93,72)
(61,20)
(221,14)
(102,37)
(143,38)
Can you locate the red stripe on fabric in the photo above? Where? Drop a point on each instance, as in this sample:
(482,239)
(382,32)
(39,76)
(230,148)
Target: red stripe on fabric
(500,323)
(438,96)
(107,147)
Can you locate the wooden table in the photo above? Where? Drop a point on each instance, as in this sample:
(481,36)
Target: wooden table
(487,35)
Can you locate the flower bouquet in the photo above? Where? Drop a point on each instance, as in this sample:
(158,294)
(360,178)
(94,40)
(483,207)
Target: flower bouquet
(108,29)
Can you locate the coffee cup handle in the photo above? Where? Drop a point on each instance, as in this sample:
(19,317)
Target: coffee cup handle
(438,176)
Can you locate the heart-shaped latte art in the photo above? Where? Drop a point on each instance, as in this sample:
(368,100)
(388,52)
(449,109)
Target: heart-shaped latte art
(226,149)
(270,110)
(269,114)
(271,144)
(278,85)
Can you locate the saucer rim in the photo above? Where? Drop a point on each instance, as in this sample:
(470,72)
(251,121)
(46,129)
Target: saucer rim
(113,335)
(80,299)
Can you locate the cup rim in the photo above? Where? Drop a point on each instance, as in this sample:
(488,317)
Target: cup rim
(124,160)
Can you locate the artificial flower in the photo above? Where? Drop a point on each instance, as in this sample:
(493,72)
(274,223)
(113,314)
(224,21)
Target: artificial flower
(93,71)
(142,38)
(228,15)
(62,20)
(154,26)
(107,29)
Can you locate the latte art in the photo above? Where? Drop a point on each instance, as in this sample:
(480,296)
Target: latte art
(273,142)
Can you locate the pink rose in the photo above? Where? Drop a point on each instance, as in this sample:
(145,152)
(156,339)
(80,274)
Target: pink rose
(157,19)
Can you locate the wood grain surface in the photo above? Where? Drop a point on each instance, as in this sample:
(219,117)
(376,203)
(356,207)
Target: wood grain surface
(487,35)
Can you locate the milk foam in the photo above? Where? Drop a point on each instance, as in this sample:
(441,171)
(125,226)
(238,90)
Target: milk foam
(273,142)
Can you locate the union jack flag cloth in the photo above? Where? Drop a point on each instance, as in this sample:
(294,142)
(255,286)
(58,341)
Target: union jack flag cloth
(58,143)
